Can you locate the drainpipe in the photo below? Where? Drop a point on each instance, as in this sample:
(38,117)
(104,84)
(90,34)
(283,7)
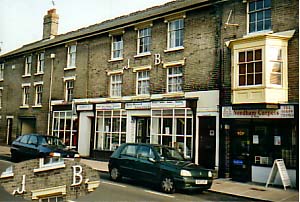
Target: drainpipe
(52,56)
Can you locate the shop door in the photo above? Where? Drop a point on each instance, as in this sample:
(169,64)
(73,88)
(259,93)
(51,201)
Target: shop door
(207,141)
(142,130)
(240,155)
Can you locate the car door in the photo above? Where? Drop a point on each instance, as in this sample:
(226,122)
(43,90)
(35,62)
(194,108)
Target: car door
(147,168)
(127,160)
(32,147)
(20,147)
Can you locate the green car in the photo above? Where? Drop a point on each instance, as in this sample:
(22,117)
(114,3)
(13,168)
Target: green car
(158,164)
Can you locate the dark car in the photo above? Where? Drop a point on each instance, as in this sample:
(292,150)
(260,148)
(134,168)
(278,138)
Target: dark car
(32,146)
(164,166)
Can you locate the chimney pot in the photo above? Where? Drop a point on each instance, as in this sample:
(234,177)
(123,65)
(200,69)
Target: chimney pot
(50,27)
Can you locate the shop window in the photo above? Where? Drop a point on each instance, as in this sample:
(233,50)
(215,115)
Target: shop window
(274,142)
(64,127)
(110,129)
(259,15)
(173,127)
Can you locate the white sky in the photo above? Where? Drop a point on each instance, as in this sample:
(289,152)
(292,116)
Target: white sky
(21,21)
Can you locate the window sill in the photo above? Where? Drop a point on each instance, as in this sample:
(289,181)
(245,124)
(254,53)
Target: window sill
(174,49)
(69,68)
(174,94)
(38,73)
(24,107)
(115,59)
(37,106)
(49,167)
(142,55)
(259,33)
(6,175)
(26,75)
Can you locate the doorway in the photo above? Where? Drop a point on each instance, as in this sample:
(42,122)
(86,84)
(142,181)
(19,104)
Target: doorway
(207,141)
(142,132)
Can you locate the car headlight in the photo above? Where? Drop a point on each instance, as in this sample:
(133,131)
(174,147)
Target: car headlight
(185,173)
(210,174)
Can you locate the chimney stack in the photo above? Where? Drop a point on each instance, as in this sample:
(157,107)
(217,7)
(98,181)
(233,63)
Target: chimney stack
(50,27)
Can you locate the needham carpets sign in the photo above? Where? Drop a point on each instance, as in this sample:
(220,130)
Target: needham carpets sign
(49,178)
(286,111)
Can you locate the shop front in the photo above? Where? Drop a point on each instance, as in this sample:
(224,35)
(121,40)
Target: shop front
(256,137)
(169,123)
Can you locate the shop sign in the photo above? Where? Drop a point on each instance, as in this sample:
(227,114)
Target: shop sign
(286,111)
(108,106)
(138,105)
(168,104)
(84,107)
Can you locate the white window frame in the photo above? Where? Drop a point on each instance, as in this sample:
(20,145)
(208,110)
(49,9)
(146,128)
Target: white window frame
(28,65)
(143,83)
(171,76)
(1,97)
(263,18)
(276,59)
(143,35)
(26,94)
(69,90)
(51,197)
(116,85)
(38,94)
(40,63)
(1,71)
(117,46)
(71,57)
(173,32)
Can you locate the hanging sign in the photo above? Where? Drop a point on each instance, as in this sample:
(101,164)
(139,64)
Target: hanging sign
(279,166)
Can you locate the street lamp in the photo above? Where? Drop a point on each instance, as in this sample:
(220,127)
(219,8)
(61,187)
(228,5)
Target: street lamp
(52,56)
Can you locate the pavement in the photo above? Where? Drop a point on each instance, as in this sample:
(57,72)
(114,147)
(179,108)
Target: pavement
(250,190)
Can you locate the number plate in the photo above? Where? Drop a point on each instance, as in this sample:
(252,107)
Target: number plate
(201,181)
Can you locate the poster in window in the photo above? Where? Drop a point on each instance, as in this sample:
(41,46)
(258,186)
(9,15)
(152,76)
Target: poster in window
(277,140)
(167,129)
(255,139)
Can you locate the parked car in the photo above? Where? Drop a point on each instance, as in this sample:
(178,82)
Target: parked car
(32,146)
(158,164)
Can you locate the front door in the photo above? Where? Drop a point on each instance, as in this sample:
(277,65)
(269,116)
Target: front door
(142,134)
(207,141)
(240,154)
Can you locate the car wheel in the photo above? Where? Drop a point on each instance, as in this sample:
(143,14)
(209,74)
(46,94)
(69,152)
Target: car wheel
(167,185)
(115,174)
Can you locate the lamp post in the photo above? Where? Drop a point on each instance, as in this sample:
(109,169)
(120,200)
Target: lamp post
(52,56)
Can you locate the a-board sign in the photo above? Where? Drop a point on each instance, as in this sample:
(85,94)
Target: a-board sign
(279,166)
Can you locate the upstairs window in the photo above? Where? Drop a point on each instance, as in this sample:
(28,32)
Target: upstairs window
(69,90)
(38,94)
(276,64)
(175,76)
(259,15)
(250,67)
(40,63)
(71,60)
(1,71)
(143,82)
(28,64)
(175,33)
(116,85)
(117,47)
(25,95)
(144,40)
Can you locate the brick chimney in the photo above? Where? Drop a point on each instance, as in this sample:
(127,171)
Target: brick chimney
(50,27)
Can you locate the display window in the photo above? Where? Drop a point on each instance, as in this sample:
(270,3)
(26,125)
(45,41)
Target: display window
(64,127)
(110,129)
(173,127)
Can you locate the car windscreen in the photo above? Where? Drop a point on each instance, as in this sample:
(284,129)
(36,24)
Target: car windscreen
(168,153)
(51,141)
